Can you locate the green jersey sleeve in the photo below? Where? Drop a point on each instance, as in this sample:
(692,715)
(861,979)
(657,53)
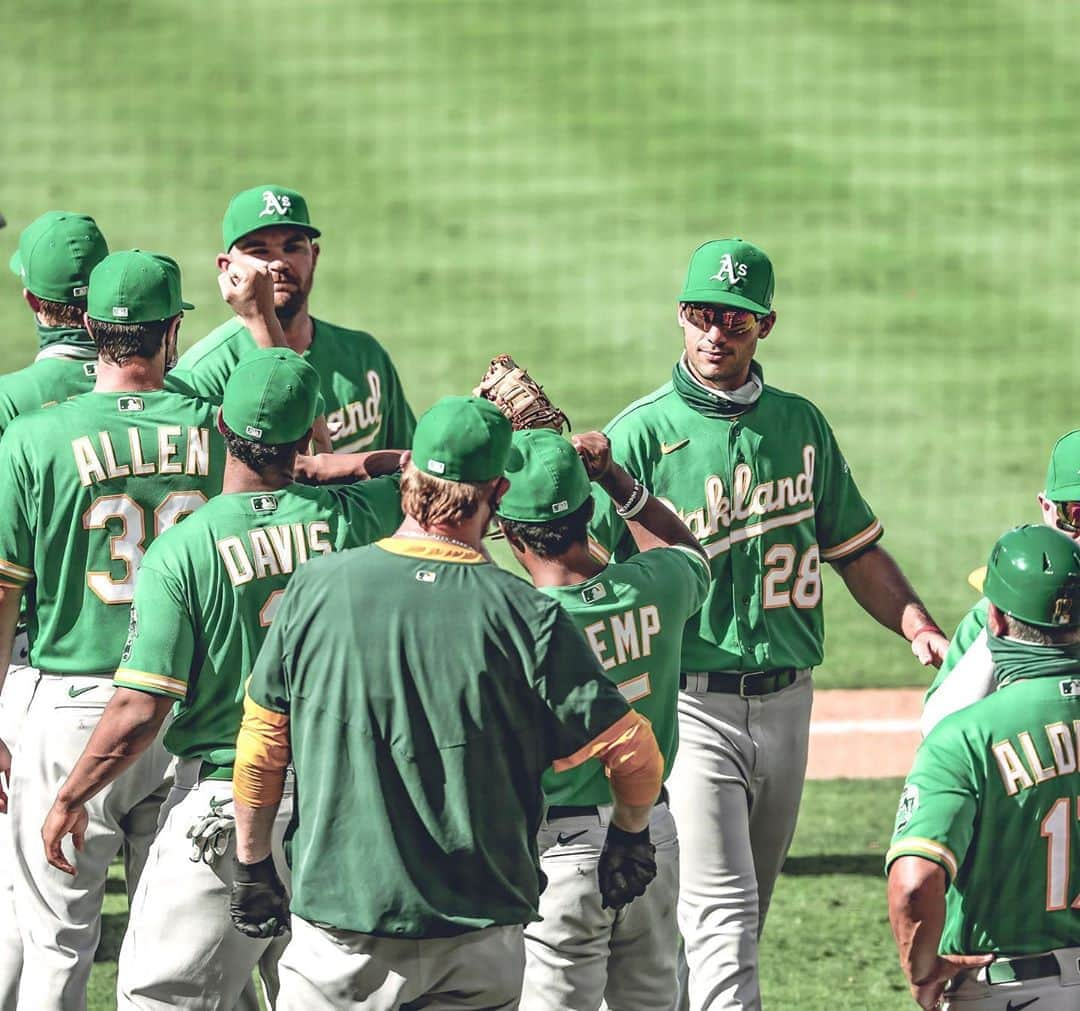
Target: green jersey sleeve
(400,420)
(371,509)
(681,577)
(845,523)
(268,685)
(18,508)
(581,702)
(936,816)
(966,633)
(161,644)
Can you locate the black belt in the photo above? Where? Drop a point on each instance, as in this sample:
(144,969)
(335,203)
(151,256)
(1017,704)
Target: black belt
(1006,970)
(588,810)
(762,682)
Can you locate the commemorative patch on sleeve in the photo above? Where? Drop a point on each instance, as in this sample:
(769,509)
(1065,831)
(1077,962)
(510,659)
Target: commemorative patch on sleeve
(909,804)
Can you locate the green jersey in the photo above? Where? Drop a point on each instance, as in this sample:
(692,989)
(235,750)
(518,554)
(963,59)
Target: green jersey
(208,590)
(60,371)
(85,487)
(633,614)
(419,749)
(992,798)
(966,633)
(769,495)
(365,404)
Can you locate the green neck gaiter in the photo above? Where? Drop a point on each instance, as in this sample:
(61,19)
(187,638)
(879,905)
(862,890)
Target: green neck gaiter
(717,403)
(49,336)
(1014,660)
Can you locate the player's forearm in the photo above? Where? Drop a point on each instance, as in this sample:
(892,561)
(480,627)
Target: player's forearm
(10,596)
(655,526)
(883,591)
(265,330)
(917,915)
(346,468)
(127,727)
(254,828)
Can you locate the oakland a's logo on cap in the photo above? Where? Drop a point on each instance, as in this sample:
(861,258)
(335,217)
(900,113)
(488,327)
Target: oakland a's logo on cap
(275,203)
(730,270)
(264,503)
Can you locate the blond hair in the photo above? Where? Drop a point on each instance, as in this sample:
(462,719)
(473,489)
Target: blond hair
(433,500)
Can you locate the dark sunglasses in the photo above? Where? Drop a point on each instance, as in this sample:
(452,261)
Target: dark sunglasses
(723,317)
(1068,516)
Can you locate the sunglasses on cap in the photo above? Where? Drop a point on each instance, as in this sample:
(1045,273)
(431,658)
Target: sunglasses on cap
(723,317)
(1068,516)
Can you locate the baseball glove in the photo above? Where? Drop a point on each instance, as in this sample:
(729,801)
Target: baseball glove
(210,834)
(627,865)
(520,397)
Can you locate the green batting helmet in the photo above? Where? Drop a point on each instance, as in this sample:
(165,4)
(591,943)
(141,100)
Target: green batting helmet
(1034,574)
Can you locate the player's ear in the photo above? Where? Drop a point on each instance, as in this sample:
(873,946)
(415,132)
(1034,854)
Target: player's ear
(222,429)
(222,261)
(315,250)
(31,300)
(766,326)
(995,621)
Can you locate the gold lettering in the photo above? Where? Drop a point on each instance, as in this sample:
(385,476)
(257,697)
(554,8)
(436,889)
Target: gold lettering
(599,647)
(318,537)
(804,482)
(139,466)
(86,460)
(198,451)
(166,450)
(112,468)
(740,491)
(1013,774)
(262,554)
(650,625)
(1042,772)
(281,544)
(236,561)
(300,540)
(624,632)
(1062,748)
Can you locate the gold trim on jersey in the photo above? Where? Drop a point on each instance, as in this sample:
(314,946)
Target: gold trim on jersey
(432,551)
(15,572)
(930,849)
(125,677)
(599,552)
(852,544)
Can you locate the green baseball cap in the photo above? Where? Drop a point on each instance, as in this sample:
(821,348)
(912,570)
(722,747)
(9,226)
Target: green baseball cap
(462,439)
(547,478)
(730,272)
(1034,574)
(135,287)
(272,396)
(56,254)
(1063,473)
(263,207)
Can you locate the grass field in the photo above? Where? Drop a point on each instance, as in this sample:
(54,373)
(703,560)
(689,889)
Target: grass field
(532,178)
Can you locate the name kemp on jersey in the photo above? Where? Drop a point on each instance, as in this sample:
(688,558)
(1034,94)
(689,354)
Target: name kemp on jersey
(629,636)
(273,551)
(173,453)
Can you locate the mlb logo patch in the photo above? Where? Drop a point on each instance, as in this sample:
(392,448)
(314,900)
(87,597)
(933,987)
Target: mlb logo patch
(591,594)
(426,576)
(264,504)
(80,291)
(1070,689)
(129,404)
(560,507)
(120,311)
(90,369)
(436,466)
(255,433)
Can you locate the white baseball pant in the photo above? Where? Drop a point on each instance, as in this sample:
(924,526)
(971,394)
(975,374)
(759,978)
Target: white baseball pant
(580,954)
(59,916)
(1060,991)
(14,699)
(181,949)
(324,969)
(735,791)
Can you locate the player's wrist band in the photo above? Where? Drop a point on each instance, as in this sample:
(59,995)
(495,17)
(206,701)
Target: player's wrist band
(635,503)
(928,627)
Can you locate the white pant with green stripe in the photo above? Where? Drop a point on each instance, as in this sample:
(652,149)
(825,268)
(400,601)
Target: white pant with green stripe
(181,949)
(59,916)
(735,790)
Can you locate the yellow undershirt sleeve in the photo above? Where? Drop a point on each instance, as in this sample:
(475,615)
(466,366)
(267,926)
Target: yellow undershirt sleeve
(262,753)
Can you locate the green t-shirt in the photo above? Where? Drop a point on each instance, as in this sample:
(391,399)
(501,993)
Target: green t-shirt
(427,691)
(992,798)
(85,487)
(50,379)
(769,495)
(365,404)
(208,590)
(966,633)
(632,615)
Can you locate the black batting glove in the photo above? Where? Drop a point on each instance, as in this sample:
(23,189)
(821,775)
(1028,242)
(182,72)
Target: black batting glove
(258,905)
(626,866)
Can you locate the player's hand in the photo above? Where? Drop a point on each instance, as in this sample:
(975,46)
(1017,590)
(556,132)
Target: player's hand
(930,647)
(595,452)
(5,776)
(928,992)
(627,865)
(63,821)
(247,286)
(258,905)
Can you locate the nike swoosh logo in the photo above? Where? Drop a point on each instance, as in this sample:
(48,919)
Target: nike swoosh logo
(1019,1007)
(563,840)
(670,447)
(74,692)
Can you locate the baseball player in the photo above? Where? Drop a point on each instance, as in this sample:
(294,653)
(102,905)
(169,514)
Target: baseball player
(967,674)
(365,405)
(56,253)
(419,748)
(632,614)
(206,595)
(982,865)
(85,487)
(758,477)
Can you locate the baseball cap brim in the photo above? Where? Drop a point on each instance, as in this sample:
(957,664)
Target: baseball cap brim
(186,305)
(977,578)
(714,297)
(1066,493)
(311,230)
(15,263)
